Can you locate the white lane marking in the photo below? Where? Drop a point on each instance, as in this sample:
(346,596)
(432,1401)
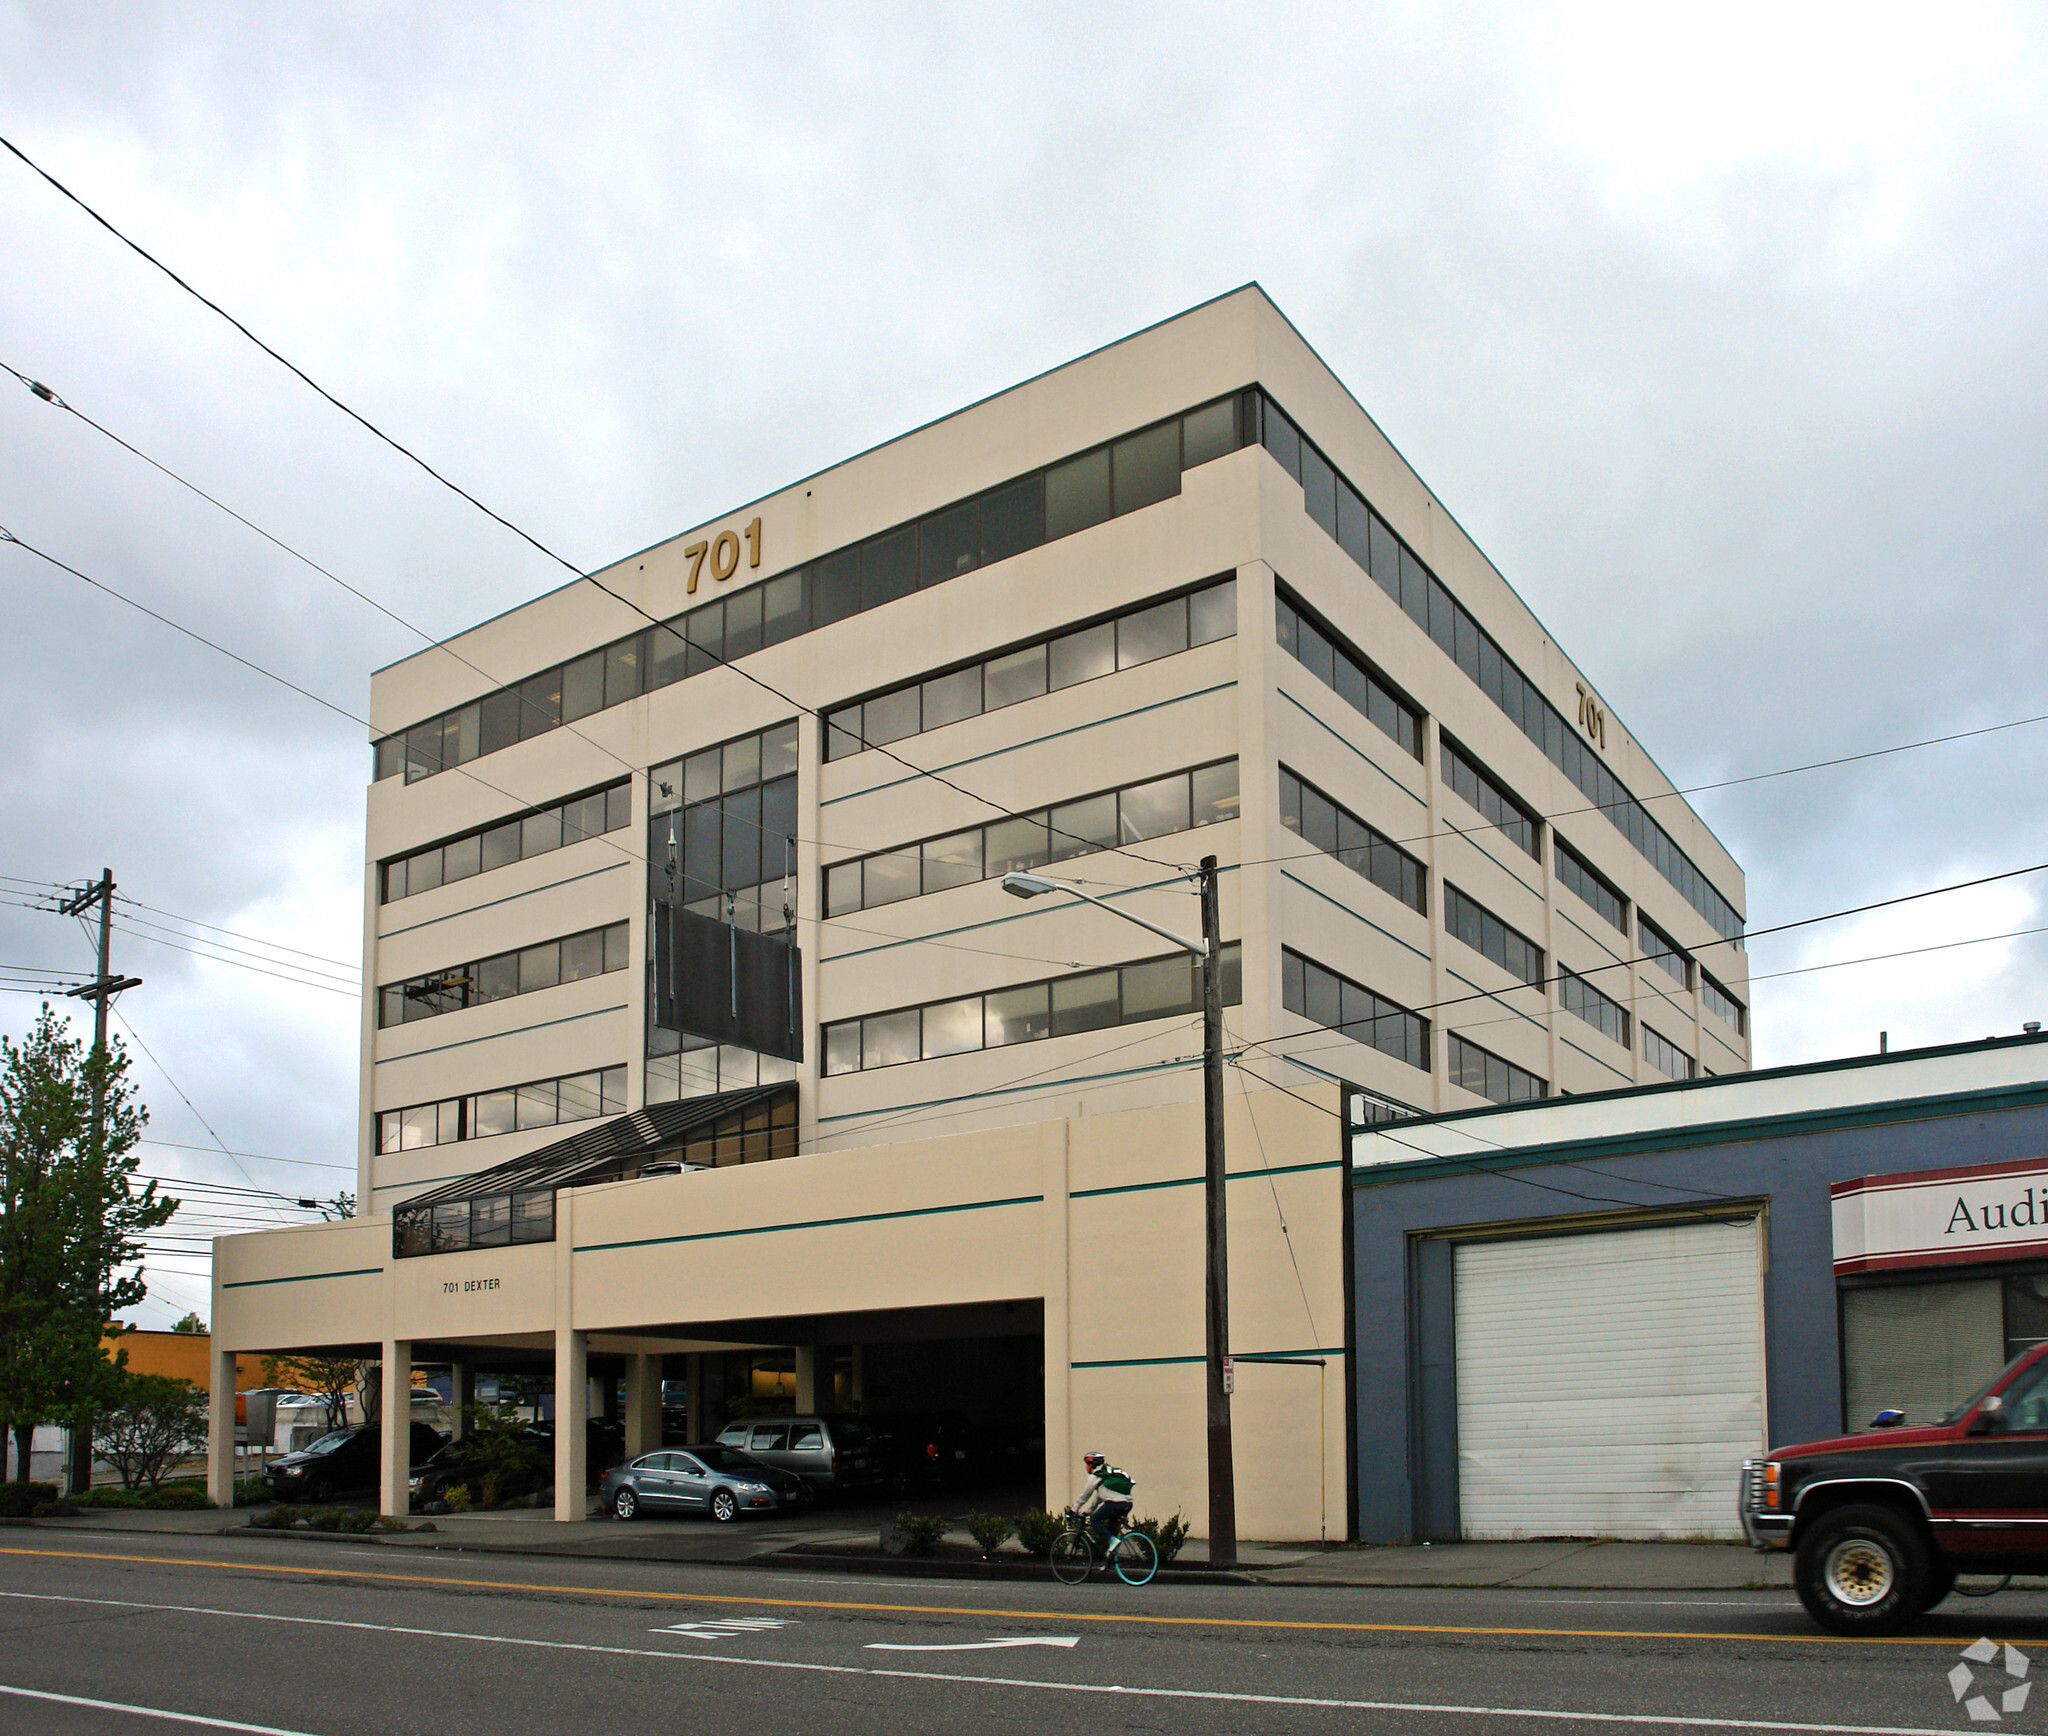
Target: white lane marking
(1206,1695)
(974,1645)
(727,1627)
(150,1712)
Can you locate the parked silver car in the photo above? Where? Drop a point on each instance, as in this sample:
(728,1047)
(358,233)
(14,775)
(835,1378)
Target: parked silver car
(833,1454)
(712,1479)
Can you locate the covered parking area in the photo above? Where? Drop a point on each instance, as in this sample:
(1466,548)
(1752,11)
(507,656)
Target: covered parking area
(1043,1280)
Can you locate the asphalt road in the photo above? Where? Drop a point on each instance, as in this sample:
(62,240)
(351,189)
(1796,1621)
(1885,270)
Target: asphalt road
(135,1635)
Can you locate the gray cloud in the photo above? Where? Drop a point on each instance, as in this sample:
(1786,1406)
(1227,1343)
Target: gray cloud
(1729,361)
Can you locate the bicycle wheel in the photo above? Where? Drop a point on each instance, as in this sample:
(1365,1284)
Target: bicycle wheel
(1136,1558)
(1073,1558)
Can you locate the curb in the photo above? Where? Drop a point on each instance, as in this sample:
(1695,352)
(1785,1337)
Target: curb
(925,1567)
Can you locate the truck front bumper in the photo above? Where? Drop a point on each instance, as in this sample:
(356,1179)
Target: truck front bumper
(1767,1530)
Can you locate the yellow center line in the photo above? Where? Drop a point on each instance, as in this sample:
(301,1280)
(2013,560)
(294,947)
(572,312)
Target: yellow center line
(1062,1615)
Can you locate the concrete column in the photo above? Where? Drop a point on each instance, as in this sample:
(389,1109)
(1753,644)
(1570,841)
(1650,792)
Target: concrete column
(395,1398)
(643,1405)
(806,1379)
(1059,1434)
(461,1395)
(572,1420)
(694,1398)
(220,1431)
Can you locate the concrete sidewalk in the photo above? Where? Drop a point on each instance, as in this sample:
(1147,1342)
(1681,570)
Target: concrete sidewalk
(814,1542)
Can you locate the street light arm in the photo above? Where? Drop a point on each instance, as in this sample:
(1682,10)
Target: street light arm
(1045,882)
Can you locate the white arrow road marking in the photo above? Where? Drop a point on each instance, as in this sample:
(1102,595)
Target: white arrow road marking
(725,1629)
(975,1646)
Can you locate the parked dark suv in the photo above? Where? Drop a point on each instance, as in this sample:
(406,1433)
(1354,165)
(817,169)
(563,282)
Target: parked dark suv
(1880,1523)
(344,1462)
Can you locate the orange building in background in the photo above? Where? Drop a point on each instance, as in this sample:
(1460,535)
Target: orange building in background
(182,1355)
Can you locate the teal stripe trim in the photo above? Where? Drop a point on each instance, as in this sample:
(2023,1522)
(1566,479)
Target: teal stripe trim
(1287,874)
(1090,1193)
(1590,935)
(1353,746)
(1497,1001)
(1020,916)
(509,898)
(516,1031)
(1014,1090)
(304,1278)
(1018,747)
(1478,842)
(814,1224)
(1170,1361)
(1705,1133)
(1595,1059)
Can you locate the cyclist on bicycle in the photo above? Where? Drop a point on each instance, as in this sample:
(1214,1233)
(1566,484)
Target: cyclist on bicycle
(1105,1497)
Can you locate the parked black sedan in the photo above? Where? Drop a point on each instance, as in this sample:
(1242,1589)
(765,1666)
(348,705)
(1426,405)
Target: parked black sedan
(341,1463)
(717,1480)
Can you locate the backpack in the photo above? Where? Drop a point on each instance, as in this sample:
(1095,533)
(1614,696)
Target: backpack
(1115,1482)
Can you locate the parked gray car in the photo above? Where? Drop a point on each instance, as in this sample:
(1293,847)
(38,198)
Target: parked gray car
(713,1479)
(833,1454)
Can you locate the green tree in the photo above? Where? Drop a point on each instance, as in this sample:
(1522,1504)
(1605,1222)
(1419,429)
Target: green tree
(71,1211)
(191,1323)
(149,1422)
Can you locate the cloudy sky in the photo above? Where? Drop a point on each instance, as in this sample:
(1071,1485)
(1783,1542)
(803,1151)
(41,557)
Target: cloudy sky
(1722,333)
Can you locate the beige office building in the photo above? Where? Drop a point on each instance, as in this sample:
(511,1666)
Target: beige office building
(700,1034)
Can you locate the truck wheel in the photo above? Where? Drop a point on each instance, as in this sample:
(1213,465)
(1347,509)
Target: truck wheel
(1862,1570)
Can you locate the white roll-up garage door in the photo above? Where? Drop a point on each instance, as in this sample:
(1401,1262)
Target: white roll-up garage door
(1609,1384)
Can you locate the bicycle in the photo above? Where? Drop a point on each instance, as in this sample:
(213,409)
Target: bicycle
(1132,1554)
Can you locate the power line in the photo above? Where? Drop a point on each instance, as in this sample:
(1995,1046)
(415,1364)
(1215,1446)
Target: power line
(253,1156)
(128,1026)
(235,934)
(280,360)
(568,565)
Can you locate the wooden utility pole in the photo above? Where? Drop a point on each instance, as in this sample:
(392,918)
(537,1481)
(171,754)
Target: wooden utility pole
(100,991)
(1222,1465)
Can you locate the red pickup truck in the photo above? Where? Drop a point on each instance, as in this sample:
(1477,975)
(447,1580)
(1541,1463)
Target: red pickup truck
(1880,1523)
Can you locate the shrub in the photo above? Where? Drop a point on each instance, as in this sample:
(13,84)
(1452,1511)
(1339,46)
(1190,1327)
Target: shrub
(1168,1536)
(251,1492)
(1037,1529)
(19,1500)
(487,1492)
(325,1519)
(990,1530)
(456,1500)
(278,1518)
(153,1421)
(182,1497)
(360,1519)
(921,1531)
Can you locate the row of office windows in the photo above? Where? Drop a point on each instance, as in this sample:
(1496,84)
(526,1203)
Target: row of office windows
(681,1066)
(1117,477)
(1334,1001)
(544,1103)
(723,821)
(1592,888)
(570,959)
(1667,1057)
(1486,934)
(1491,798)
(1130,994)
(496,1221)
(1487,1075)
(1360,846)
(1605,1014)
(1138,636)
(1156,808)
(1403,876)
(507,841)
(1344,515)
(1326,656)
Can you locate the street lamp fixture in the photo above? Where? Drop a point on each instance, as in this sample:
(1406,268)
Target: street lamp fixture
(1216,1310)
